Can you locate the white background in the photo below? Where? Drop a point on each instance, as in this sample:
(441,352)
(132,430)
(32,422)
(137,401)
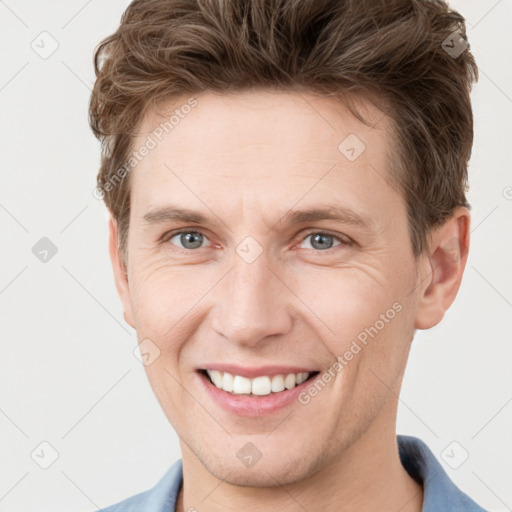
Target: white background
(67,372)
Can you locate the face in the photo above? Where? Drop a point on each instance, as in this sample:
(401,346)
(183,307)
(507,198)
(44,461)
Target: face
(235,266)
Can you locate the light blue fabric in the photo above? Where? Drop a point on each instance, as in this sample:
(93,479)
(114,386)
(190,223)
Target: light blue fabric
(440,493)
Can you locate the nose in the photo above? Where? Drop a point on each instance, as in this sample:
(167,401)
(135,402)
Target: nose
(253,304)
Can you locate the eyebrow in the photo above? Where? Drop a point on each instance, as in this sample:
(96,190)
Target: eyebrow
(162,215)
(331,212)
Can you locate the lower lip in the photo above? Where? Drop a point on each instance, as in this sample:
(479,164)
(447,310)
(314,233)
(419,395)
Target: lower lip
(250,405)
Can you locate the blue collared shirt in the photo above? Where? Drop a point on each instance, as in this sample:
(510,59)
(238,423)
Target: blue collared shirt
(440,494)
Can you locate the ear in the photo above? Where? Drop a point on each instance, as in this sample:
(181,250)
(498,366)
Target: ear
(120,272)
(446,259)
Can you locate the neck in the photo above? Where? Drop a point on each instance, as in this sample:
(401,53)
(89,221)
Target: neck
(368,475)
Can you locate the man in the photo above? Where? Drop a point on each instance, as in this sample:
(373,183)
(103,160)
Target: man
(286,182)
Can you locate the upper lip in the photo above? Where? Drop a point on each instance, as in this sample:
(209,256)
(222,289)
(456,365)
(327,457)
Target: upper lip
(256,371)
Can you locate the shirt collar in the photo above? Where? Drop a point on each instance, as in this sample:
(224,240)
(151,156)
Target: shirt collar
(439,492)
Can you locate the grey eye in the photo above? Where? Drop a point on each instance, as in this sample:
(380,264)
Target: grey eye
(189,239)
(321,241)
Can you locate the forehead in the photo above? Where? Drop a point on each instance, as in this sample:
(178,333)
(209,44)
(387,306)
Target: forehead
(262,147)
(217,124)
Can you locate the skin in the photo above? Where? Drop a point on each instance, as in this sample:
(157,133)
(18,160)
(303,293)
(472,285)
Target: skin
(245,160)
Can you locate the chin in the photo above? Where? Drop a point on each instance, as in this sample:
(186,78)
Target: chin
(270,471)
(264,476)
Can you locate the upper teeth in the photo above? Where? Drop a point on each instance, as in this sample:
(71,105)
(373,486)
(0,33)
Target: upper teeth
(258,386)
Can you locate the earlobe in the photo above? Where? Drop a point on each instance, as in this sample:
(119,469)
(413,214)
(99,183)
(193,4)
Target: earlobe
(120,272)
(448,252)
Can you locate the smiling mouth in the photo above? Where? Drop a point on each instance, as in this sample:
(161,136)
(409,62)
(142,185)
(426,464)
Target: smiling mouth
(259,386)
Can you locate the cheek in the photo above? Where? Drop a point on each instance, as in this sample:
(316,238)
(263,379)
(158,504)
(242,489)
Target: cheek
(161,295)
(347,299)
(341,304)
(361,315)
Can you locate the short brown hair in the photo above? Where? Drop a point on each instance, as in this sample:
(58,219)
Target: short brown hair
(410,56)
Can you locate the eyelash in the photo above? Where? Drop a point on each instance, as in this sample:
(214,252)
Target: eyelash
(348,242)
